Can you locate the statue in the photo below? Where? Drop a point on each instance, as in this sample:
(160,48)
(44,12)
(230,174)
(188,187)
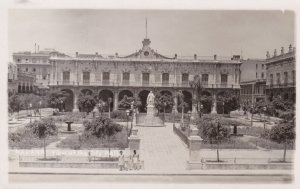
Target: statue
(150,99)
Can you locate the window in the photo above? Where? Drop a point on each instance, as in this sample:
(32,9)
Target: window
(262,66)
(33,60)
(256,66)
(44,77)
(26,59)
(126,77)
(106,77)
(165,79)
(26,69)
(271,79)
(185,79)
(278,78)
(18,60)
(146,78)
(33,69)
(66,77)
(204,79)
(285,78)
(262,75)
(256,75)
(224,79)
(86,78)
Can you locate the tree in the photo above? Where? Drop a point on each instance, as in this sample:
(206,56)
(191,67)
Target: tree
(197,86)
(86,102)
(125,103)
(283,132)
(57,98)
(230,100)
(42,129)
(162,102)
(102,127)
(213,128)
(14,103)
(182,104)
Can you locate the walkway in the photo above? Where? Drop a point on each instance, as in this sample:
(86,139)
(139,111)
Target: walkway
(161,149)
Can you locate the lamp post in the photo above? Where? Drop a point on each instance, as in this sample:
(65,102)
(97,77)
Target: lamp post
(189,126)
(252,115)
(201,109)
(165,104)
(265,109)
(40,103)
(127,114)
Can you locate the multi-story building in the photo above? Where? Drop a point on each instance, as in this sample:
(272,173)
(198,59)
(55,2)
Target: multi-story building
(12,78)
(253,81)
(139,73)
(36,63)
(281,74)
(26,82)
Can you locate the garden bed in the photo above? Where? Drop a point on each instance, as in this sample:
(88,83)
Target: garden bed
(76,141)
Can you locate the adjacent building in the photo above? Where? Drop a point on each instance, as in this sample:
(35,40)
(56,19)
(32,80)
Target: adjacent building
(139,73)
(281,74)
(253,81)
(12,77)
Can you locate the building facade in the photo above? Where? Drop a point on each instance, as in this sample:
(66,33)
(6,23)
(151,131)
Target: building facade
(253,81)
(37,64)
(12,77)
(139,73)
(281,74)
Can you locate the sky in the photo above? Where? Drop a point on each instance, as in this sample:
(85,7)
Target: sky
(188,32)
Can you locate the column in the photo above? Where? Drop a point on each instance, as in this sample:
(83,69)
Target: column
(214,107)
(175,107)
(116,94)
(75,106)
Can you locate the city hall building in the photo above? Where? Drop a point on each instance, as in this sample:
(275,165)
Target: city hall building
(139,73)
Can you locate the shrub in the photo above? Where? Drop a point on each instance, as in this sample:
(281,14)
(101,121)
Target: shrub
(118,114)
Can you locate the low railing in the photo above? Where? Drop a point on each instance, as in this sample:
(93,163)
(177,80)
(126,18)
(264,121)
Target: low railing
(139,84)
(181,135)
(239,160)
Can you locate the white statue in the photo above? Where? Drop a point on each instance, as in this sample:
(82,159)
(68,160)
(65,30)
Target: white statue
(150,99)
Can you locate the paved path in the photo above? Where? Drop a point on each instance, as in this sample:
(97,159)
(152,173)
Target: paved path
(161,149)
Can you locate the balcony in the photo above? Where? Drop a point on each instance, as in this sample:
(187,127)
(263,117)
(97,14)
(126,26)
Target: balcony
(284,85)
(142,84)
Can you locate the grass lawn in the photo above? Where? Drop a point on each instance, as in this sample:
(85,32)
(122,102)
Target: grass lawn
(77,141)
(23,139)
(231,143)
(252,131)
(267,144)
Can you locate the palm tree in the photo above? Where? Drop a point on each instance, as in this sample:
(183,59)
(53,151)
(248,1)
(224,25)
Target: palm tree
(197,86)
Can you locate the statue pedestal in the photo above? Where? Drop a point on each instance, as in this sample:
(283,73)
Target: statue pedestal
(150,110)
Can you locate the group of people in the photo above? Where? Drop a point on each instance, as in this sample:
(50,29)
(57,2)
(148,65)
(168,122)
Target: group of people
(131,162)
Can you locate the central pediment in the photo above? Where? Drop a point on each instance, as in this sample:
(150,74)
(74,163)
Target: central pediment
(146,52)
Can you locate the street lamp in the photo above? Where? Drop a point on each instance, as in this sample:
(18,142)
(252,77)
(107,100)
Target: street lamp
(265,109)
(127,113)
(201,109)
(165,104)
(40,103)
(109,102)
(189,127)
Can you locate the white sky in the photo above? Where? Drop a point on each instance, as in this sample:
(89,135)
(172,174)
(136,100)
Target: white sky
(183,32)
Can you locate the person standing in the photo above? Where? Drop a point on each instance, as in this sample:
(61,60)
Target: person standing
(121,161)
(135,160)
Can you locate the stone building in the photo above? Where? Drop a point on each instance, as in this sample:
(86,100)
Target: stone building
(36,63)
(253,81)
(26,82)
(12,77)
(139,73)
(281,76)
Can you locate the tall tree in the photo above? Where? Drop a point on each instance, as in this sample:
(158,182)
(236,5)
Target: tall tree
(86,102)
(198,87)
(162,102)
(102,127)
(42,129)
(230,100)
